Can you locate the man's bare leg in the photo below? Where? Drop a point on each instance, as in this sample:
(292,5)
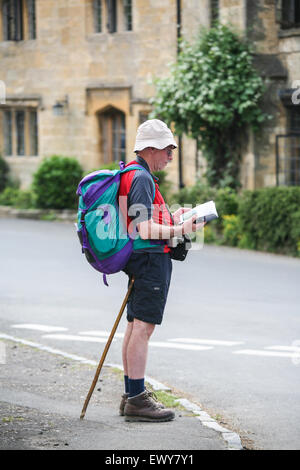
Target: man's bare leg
(135,349)
(125,345)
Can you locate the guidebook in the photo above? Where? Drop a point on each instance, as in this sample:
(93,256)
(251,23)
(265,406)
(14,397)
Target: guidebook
(205,212)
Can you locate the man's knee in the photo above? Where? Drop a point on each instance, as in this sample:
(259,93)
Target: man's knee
(143,328)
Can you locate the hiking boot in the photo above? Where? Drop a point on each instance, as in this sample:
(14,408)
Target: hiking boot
(125,397)
(144,407)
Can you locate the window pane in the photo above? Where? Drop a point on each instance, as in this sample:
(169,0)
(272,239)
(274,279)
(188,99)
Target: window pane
(20,124)
(119,137)
(128,14)
(292,163)
(7,132)
(290,13)
(12,11)
(295,119)
(33,133)
(123,139)
(112,16)
(8,20)
(297,13)
(31,19)
(115,138)
(214,11)
(97,12)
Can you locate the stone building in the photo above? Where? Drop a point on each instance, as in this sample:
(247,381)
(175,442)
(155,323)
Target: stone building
(77,76)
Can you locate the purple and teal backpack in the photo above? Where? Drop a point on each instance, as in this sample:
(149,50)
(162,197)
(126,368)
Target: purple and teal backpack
(101,229)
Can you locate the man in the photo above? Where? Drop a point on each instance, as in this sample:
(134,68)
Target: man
(150,264)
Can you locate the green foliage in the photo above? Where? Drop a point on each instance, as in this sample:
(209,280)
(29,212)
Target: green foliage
(213,94)
(55,183)
(231,232)
(107,166)
(193,195)
(227,201)
(266,219)
(295,226)
(210,235)
(4,171)
(110,166)
(22,199)
(25,199)
(9,196)
(164,184)
(270,219)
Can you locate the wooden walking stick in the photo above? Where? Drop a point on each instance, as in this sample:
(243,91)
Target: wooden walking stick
(106,350)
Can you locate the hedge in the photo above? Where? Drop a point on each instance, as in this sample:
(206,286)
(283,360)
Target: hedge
(266,219)
(270,219)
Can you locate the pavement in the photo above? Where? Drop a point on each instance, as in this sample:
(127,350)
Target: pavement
(42,394)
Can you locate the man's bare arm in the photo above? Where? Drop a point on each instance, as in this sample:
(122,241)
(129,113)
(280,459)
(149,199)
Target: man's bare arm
(151,230)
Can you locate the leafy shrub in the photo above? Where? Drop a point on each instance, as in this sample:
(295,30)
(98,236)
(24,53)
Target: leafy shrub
(164,184)
(22,199)
(210,234)
(8,196)
(25,199)
(4,170)
(197,194)
(226,200)
(232,231)
(55,183)
(270,218)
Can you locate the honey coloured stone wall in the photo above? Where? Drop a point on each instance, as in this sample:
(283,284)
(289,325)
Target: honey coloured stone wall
(97,74)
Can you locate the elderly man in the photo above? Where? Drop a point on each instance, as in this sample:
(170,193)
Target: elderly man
(150,264)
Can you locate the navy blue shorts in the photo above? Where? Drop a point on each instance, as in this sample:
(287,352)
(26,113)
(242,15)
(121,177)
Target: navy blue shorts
(152,273)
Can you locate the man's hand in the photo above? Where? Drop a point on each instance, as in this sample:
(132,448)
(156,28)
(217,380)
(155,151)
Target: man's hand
(176,215)
(189,226)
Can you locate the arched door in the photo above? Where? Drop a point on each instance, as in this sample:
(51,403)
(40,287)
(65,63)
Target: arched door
(112,135)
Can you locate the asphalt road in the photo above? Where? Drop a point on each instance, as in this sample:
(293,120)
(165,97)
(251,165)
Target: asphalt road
(230,338)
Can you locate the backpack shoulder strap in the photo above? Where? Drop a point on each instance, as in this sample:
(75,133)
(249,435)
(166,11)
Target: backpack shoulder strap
(139,167)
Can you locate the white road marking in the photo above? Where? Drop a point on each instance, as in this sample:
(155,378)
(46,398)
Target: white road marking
(211,342)
(295,349)
(35,326)
(231,438)
(48,349)
(97,339)
(190,344)
(90,339)
(100,333)
(189,347)
(258,352)
(154,383)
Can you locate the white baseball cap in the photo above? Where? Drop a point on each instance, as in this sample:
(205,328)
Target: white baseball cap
(154,133)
